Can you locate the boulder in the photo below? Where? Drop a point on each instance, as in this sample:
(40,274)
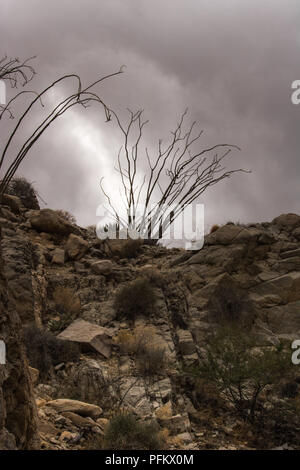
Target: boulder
(58,256)
(185,342)
(76,247)
(63,405)
(285,319)
(287,221)
(79,421)
(224,235)
(89,336)
(287,287)
(47,220)
(224,299)
(13,202)
(296,233)
(176,424)
(103,267)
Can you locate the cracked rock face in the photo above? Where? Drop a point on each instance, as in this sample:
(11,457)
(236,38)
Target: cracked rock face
(248,274)
(18,424)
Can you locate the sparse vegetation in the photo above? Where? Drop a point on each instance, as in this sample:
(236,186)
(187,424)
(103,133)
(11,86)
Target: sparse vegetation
(44,350)
(125,432)
(66,216)
(189,170)
(239,370)
(135,298)
(67,305)
(21,187)
(150,359)
(154,275)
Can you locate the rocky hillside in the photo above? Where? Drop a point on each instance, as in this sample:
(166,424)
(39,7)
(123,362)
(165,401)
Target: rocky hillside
(64,280)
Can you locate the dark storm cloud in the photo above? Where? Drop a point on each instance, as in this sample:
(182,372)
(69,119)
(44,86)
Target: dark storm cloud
(231,62)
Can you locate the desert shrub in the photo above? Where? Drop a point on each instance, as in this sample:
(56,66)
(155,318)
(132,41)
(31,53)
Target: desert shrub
(154,275)
(240,371)
(66,216)
(137,297)
(44,350)
(214,228)
(230,303)
(67,305)
(22,188)
(129,341)
(125,432)
(131,248)
(150,360)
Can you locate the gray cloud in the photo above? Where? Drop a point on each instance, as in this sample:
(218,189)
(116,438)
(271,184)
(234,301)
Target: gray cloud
(232,63)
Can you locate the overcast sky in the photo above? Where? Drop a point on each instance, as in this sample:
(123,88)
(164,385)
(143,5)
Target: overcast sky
(231,62)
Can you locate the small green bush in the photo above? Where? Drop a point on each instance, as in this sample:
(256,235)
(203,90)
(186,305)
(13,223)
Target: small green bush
(136,298)
(44,350)
(125,432)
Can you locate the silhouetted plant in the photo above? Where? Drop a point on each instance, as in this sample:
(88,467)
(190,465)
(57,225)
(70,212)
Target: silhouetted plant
(16,72)
(179,170)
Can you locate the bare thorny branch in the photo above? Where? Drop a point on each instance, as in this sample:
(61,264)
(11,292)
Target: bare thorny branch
(179,170)
(83,96)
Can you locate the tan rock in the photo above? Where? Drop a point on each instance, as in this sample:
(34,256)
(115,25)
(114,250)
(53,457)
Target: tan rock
(103,267)
(102,422)
(89,336)
(13,202)
(76,247)
(47,220)
(224,235)
(40,402)
(185,342)
(58,256)
(83,409)
(287,221)
(68,436)
(79,421)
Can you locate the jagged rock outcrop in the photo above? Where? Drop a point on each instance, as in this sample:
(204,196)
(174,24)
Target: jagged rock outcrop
(18,418)
(248,274)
